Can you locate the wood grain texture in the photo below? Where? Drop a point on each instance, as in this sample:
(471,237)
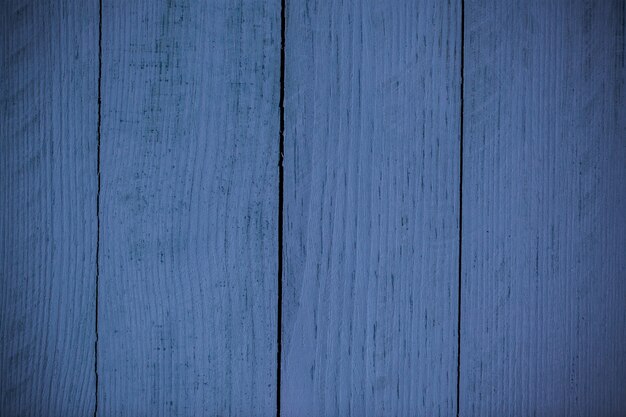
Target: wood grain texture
(188,282)
(544,225)
(48,186)
(371,208)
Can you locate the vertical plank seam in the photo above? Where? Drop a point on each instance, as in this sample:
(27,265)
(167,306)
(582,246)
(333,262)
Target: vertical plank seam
(460,254)
(99,125)
(281,175)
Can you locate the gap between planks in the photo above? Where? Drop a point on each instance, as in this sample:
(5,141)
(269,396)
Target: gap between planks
(281,176)
(99,127)
(458,358)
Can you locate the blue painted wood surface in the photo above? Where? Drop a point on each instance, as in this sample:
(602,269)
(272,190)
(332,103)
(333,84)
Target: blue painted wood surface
(183,300)
(188,268)
(371,208)
(544,209)
(48,184)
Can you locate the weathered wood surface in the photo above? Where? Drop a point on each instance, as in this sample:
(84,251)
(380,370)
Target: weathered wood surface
(544,209)
(48,181)
(188,279)
(371,208)
(189,193)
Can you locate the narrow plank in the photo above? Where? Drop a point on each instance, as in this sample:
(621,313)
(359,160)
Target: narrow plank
(372,101)
(188,280)
(48,187)
(544,226)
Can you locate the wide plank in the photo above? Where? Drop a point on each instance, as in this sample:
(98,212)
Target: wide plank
(371,216)
(189,200)
(543,327)
(48,189)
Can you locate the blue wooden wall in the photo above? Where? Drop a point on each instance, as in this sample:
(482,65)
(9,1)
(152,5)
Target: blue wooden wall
(312,208)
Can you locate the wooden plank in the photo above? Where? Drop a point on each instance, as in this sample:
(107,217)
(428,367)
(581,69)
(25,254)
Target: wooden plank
(188,281)
(371,208)
(48,188)
(544,226)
